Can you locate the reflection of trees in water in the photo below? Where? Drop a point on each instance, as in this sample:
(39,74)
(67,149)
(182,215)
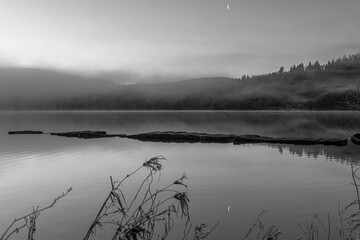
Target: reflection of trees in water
(345,155)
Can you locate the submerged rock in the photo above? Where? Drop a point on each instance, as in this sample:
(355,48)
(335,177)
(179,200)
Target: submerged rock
(228,138)
(25,132)
(190,137)
(82,134)
(193,137)
(243,139)
(355,139)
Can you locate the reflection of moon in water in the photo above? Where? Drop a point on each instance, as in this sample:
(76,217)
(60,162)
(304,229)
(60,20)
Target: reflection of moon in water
(228,6)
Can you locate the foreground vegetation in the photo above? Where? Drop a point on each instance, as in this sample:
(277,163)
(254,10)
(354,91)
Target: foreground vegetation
(152,213)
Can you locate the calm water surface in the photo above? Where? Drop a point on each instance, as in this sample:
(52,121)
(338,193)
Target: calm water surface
(291,182)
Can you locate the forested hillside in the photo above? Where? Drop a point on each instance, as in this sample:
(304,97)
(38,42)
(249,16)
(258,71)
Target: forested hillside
(312,86)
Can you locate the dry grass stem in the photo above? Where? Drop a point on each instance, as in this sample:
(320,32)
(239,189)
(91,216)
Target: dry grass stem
(29,220)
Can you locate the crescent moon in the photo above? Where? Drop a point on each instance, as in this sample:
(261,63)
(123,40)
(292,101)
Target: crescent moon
(228,6)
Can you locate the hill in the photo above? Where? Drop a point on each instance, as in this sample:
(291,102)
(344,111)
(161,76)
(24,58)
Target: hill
(28,88)
(315,86)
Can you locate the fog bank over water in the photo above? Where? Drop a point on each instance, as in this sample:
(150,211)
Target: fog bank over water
(303,87)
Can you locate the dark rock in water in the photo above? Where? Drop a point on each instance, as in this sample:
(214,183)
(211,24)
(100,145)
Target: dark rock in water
(243,139)
(82,134)
(218,138)
(194,137)
(333,141)
(25,132)
(116,135)
(190,137)
(355,139)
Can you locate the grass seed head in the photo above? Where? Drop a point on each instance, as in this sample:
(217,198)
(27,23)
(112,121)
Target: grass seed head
(154,163)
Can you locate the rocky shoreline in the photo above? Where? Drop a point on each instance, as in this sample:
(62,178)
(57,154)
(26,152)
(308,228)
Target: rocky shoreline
(194,137)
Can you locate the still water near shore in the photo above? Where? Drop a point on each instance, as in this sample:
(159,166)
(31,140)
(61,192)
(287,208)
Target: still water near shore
(290,182)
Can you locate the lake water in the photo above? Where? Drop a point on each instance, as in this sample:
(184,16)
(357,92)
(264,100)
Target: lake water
(290,182)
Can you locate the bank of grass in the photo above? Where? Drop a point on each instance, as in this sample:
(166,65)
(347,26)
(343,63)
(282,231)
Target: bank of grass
(151,213)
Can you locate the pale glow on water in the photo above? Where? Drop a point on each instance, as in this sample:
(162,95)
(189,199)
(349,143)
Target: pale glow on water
(250,178)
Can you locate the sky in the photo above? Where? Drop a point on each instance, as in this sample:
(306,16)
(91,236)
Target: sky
(164,40)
